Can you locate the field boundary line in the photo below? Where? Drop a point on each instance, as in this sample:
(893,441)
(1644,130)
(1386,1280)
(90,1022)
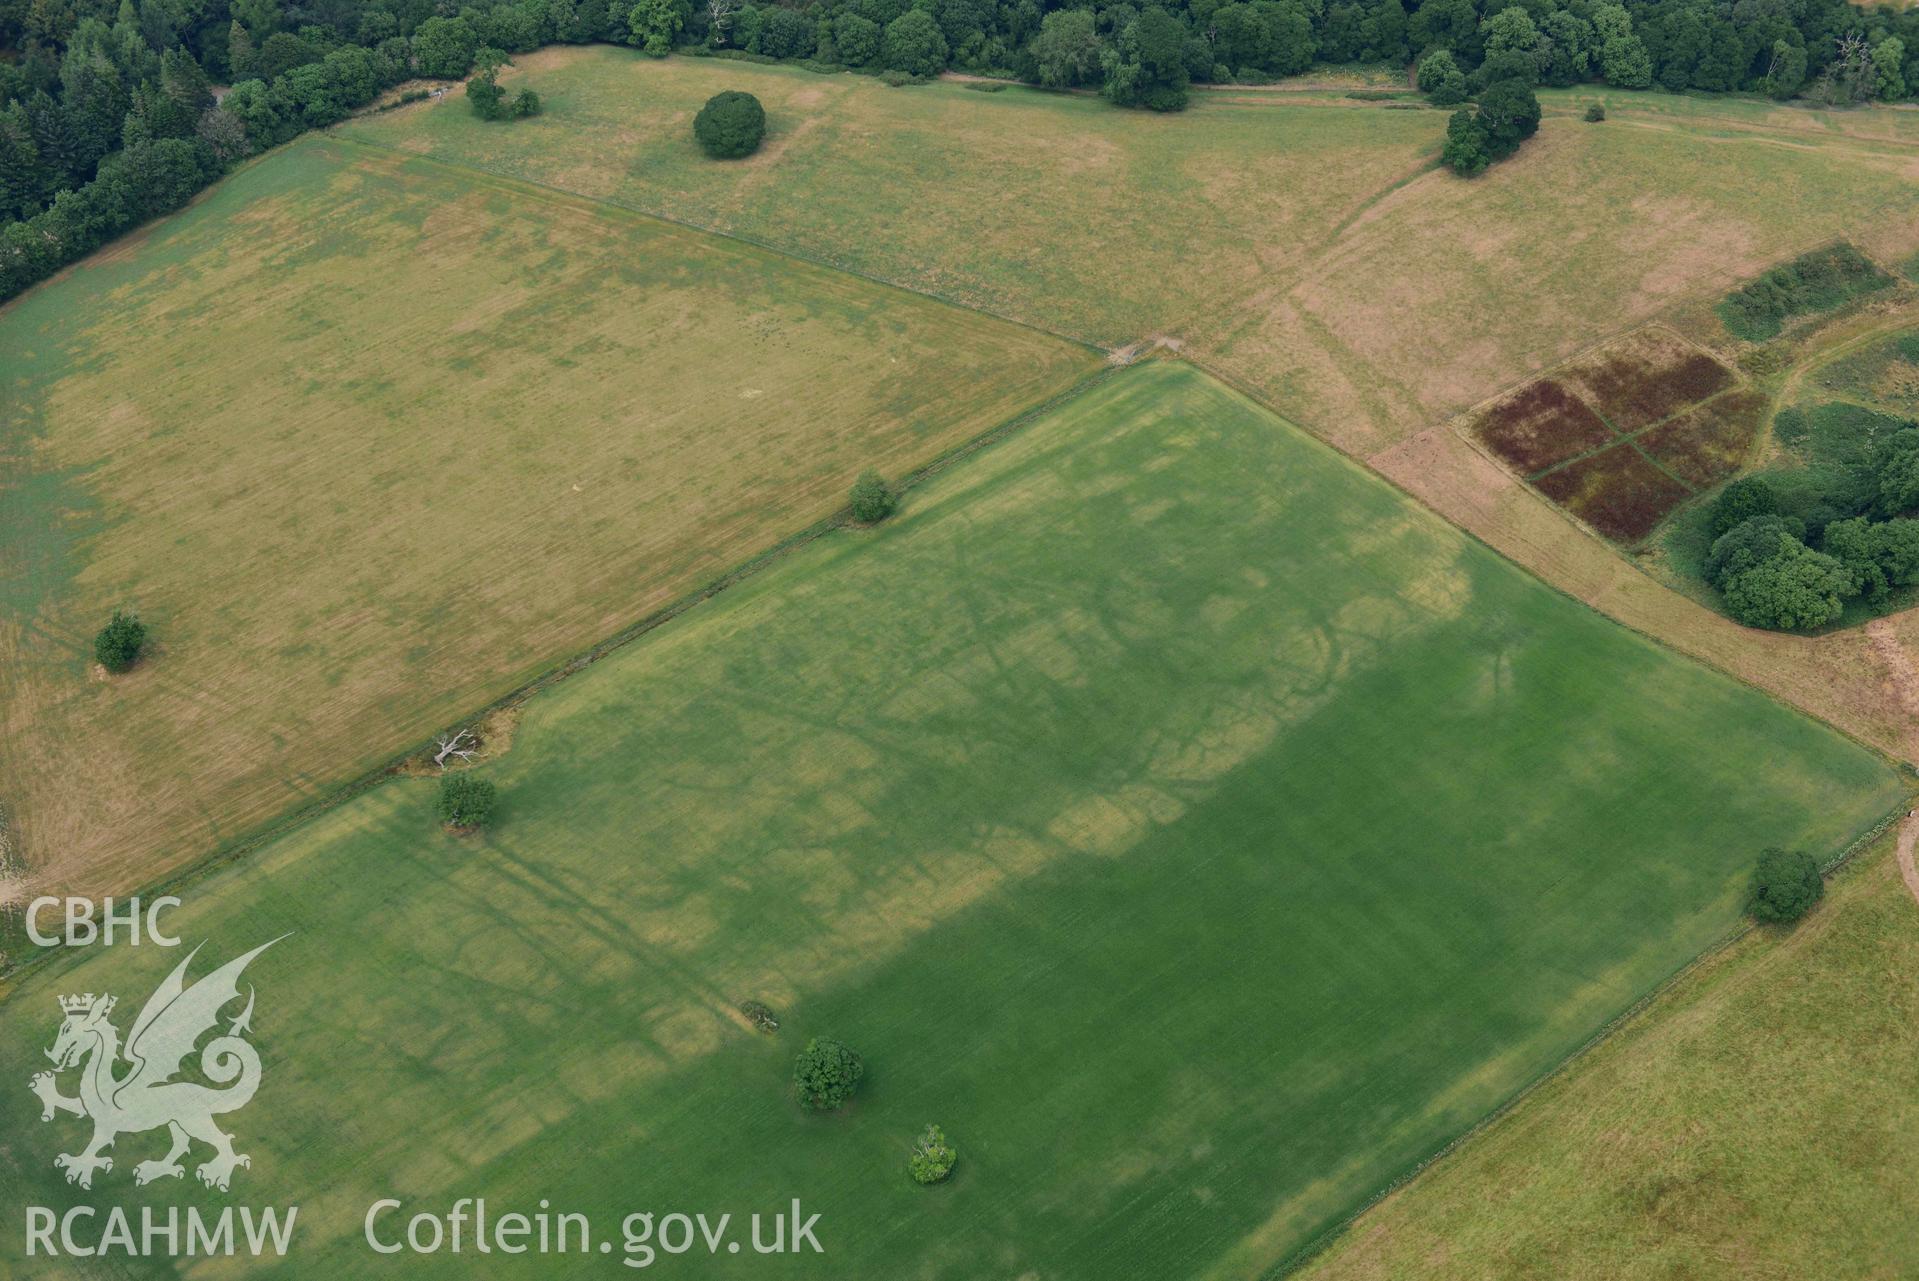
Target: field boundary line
(1898,764)
(12,968)
(550,191)
(1653,995)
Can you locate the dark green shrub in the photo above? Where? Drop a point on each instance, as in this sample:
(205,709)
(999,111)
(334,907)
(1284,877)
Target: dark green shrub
(1595,113)
(760,1015)
(932,1157)
(1785,885)
(873,501)
(466,802)
(1796,590)
(730,125)
(118,645)
(1740,501)
(1750,543)
(1814,282)
(827,1072)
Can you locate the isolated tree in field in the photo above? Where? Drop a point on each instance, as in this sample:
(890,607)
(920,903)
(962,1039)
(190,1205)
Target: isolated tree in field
(1785,885)
(827,1072)
(730,125)
(1509,112)
(932,1157)
(118,645)
(873,499)
(466,802)
(1595,113)
(1745,498)
(1467,150)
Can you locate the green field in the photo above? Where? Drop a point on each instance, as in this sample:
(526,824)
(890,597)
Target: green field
(369,442)
(1759,1121)
(1197,885)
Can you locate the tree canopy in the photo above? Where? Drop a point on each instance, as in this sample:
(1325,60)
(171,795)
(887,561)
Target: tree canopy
(730,125)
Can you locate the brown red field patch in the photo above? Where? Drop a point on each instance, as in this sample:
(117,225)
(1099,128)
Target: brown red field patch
(1645,377)
(1616,491)
(1539,426)
(1704,445)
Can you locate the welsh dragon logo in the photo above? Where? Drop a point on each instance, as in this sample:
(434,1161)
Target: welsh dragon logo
(146,1096)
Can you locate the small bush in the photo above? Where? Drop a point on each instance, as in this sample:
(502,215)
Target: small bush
(730,125)
(899,79)
(827,1072)
(1785,885)
(932,1158)
(526,103)
(466,802)
(1595,113)
(760,1015)
(873,500)
(119,642)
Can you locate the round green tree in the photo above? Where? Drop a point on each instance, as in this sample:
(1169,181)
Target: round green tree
(730,125)
(932,1157)
(827,1073)
(873,500)
(1785,885)
(1745,498)
(466,802)
(119,643)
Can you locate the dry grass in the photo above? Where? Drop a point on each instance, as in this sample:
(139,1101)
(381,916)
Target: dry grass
(368,443)
(1310,251)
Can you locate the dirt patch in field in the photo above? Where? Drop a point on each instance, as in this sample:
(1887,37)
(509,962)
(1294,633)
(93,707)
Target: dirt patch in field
(1539,426)
(1616,491)
(1706,444)
(1645,377)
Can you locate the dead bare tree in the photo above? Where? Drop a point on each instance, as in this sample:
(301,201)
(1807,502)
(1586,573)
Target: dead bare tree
(451,746)
(719,14)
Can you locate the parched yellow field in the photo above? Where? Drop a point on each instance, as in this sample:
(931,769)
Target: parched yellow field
(1302,244)
(1306,244)
(369,442)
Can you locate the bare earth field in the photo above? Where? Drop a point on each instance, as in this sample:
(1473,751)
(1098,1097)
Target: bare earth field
(457,430)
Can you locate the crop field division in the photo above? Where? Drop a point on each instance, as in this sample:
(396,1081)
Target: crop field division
(1376,301)
(370,442)
(1250,870)
(1625,434)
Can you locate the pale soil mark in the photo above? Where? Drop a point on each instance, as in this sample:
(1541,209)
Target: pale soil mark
(1908,833)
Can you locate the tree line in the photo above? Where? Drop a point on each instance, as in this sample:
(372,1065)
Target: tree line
(108,113)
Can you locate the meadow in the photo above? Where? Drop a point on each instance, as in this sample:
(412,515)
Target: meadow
(1757,1121)
(369,443)
(1300,243)
(1247,871)
(1304,243)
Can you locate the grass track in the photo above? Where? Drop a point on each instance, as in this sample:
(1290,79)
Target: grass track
(371,442)
(1248,871)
